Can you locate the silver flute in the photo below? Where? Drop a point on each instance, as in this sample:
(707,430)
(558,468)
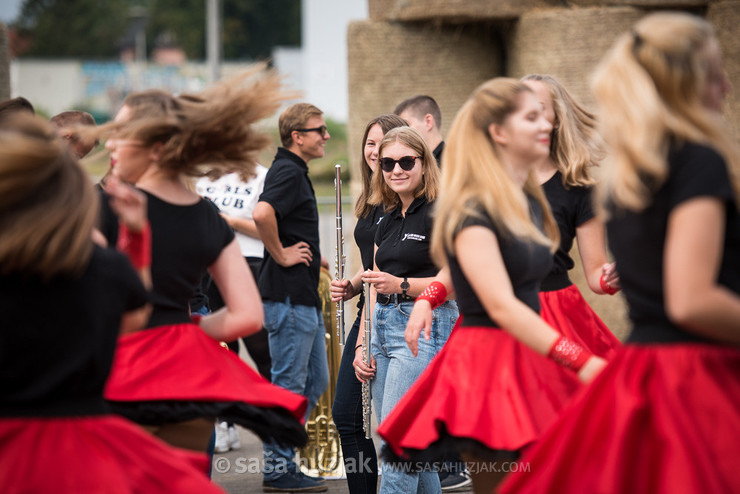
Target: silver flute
(367,404)
(339,259)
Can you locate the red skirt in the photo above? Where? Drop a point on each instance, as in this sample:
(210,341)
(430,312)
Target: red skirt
(658,419)
(484,389)
(567,311)
(175,373)
(97,454)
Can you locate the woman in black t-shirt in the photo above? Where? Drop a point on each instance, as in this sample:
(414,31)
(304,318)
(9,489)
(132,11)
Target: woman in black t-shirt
(64,301)
(174,377)
(664,415)
(406,187)
(491,392)
(565,177)
(347,408)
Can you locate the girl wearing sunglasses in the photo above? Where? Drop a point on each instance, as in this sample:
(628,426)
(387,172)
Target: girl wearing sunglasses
(347,408)
(491,391)
(406,187)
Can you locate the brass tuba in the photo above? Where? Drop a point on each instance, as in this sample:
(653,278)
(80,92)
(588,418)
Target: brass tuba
(322,455)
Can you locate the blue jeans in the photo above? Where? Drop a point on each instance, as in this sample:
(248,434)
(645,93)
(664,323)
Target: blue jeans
(360,457)
(298,353)
(396,371)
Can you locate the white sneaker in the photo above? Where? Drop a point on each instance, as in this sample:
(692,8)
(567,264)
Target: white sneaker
(222,438)
(234,442)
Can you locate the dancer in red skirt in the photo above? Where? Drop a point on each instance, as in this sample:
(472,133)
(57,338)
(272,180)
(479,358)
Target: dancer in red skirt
(174,377)
(490,392)
(565,177)
(664,415)
(64,301)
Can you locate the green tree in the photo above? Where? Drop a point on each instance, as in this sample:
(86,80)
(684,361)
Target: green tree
(73,28)
(96,28)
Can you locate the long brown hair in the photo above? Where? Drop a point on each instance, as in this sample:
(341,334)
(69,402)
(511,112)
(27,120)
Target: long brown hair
(574,148)
(213,132)
(386,122)
(48,206)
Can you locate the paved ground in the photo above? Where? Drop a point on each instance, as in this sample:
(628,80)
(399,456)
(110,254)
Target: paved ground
(238,472)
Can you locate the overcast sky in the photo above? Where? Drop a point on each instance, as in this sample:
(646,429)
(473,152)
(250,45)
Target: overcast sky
(9,10)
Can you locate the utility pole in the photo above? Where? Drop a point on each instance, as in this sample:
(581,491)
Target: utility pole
(213,39)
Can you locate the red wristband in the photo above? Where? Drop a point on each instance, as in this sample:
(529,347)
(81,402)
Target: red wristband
(196,318)
(136,245)
(605,287)
(569,354)
(435,294)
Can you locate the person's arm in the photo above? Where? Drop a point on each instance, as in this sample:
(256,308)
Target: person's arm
(365,371)
(266,220)
(477,251)
(691,262)
(346,289)
(388,284)
(592,249)
(242,313)
(245,226)
(421,315)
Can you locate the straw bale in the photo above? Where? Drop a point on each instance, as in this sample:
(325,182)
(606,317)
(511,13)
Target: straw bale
(725,16)
(567,43)
(453,10)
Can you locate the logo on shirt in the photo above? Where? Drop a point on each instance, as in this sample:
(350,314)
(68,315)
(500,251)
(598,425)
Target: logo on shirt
(414,236)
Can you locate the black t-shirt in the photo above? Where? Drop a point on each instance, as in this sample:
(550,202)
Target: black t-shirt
(571,207)
(108,223)
(290,193)
(58,337)
(438,152)
(185,241)
(638,240)
(365,235)
(527,263)
(403,242)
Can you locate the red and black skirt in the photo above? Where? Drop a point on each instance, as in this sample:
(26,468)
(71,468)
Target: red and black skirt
(94,454)
(567,311)
(175,373)
(485,393)
(658,419)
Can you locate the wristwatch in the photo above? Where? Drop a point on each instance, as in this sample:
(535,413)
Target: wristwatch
(405,285)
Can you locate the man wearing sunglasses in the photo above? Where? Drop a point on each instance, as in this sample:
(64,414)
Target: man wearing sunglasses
(423,114)
(288,223)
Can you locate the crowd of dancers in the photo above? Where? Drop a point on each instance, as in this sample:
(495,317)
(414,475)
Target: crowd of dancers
(483,353)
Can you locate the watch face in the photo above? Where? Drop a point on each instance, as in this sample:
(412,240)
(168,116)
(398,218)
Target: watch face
(405,285)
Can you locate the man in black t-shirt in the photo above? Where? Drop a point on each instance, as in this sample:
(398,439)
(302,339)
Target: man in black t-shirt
(288,223)
(423,114)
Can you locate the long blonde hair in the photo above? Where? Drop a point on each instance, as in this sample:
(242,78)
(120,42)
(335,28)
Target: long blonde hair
(386,122)
(381,193)
(574,148)
(473,177)
(48,206)
(648,89)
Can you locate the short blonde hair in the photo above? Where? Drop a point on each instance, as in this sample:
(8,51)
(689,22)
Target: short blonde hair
(293,118)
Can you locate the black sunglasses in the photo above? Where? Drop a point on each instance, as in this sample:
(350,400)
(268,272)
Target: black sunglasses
(406,163)
(321,130)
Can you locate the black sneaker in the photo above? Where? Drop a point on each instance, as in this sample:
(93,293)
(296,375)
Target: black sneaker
(294,482)
(457,482)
